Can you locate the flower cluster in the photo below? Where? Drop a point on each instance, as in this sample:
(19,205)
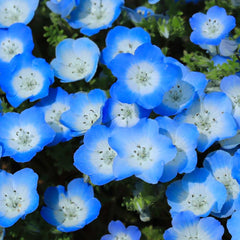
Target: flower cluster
(139,118)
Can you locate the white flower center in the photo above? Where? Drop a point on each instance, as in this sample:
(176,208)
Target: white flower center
(90,115)
(97,13)
(189,233)
(13,202)
(24,138)
(10,48)
(71,211)
(126,115)
(13,11)
(142,78)
(53,114)
(199,199)
(78,68)
(205,122)
(212,28)
(142,154)
(122,236)
(28,82)
(102,158)
(224,176)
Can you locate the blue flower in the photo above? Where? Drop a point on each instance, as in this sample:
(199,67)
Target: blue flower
(123,40)
(212,115)
(72,209)
(118,114)
(143,78)
(141,12)
(56,103)
(27,77)
(178,98)
(185,225)
(95,157)
(184,137)
(233,225)
(62,7)
(141,150)
(119,231)
(76,60)
(15,11)
(227,47)
(16,39)
(197,192)
(221,164)
(18,195)
(212,27)
(91,16)
(24,134)
(153,1)
(85,111)
(230,85)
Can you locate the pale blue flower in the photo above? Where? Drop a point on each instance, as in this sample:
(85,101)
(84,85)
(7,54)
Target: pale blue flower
(70,210)
(18,195)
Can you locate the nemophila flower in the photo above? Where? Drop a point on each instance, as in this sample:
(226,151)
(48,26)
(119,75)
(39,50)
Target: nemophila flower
(212,27)
(118,114)
(16,39)
(15,11)
(56,103)
(212,115)
(197,192)
(123,40)
(184,137)
(117,230)
(75,60)
(233,225)
(62,7)
(221,164)
(185,225)
(230,85)
(227,47)
(179,97)
(71,209)
(140,13)
(144,11)
(18,195)
(27,77)
(141,150)
(219,60)
(196,79)
(91,16)
(24,134)
(142,78)
(85,111)
(153,1)
(95,157)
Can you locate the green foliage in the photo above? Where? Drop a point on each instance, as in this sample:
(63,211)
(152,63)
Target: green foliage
(221,3)
(144,199)
(218,72)
(54,34)
(197,61)
(58,30)
(150,233)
